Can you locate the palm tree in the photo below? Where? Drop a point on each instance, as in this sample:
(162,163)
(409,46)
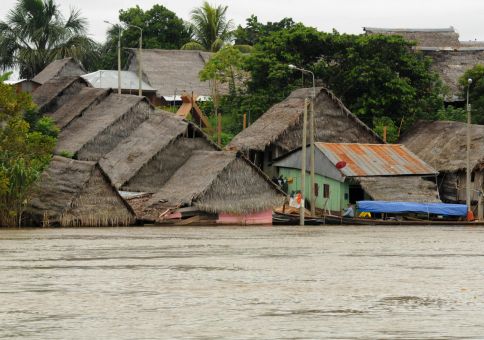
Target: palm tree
(35,33)
(210,27)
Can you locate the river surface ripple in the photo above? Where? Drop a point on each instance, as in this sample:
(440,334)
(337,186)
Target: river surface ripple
(265,283)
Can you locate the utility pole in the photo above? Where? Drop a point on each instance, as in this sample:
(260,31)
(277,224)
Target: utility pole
(303,163)
(119,53)
(311,138)
(468,160)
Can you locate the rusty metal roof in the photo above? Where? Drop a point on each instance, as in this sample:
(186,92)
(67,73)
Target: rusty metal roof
(364,160)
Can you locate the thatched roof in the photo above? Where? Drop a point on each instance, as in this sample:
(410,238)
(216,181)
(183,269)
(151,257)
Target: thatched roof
(429,37)
(442,144)
(400,189)
(59,68)
(281,125)
(215,181)
(172,72)
(153,135)
(103,126)
(76,104)
(46,95)
(76,193)
(451,65)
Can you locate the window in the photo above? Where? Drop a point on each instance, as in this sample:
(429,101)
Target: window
(473,175)
(326,190)
(316,189)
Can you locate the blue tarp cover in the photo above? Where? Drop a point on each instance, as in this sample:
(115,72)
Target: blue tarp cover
(410,207)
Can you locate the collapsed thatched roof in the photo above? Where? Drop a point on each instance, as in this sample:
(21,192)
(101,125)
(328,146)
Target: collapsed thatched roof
(442,144)
(129,156)
(434,37)
(66,67)
(76,193)
(215,181)
(76,104)
(282,124)
(103,126)
(172,72)
(452,64)
(46,95)
(400,189)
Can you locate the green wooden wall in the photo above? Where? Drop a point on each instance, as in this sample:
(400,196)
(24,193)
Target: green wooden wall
(337,190)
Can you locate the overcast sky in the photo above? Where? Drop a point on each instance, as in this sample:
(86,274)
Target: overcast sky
(346,16)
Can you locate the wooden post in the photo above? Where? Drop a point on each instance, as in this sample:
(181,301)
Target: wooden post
(385,134)
(244,125)
(303,163)
(219,128)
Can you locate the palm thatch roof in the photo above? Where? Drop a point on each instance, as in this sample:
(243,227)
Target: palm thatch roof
(66,67)
(452,64)
(400,189)
(146,153)
(73,193)
(281,125)
(172,72)
(442,144)
(215,181)
(46,96)
(77,103)
(429,37)
(103,126)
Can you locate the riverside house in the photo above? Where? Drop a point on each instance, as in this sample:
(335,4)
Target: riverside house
(349,172)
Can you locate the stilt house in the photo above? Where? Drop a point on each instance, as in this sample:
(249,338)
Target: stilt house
(279,130)
(347,173)
(443,145)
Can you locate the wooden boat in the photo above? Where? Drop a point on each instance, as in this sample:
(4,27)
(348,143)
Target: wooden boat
(279,218)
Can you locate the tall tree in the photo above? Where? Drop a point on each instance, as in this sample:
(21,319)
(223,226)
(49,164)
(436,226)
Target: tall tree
(255,30)
(26,143)
(211,28)
(161,27)
(35,33)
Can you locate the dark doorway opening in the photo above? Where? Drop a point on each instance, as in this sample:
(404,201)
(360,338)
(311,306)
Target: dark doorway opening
(356,194)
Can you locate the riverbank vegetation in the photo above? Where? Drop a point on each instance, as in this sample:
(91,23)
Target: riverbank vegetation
(27,141)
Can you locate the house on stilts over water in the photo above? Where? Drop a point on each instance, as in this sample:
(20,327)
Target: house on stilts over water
(279,130)
(346,173)
(72,193)
(443,145)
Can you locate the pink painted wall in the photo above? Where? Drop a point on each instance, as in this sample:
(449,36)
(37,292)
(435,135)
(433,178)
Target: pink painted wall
(263,217)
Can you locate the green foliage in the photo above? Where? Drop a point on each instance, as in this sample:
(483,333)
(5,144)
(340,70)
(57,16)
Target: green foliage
(379,124)
(476,92)
(225,66)
(210,27)
(161,27)
(35,33)
(66,154)
(381,76)
(255,30)
(457,114)
(25,150)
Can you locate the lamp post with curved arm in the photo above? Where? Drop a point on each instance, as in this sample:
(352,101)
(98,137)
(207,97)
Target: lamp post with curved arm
(140,72)
(311,139)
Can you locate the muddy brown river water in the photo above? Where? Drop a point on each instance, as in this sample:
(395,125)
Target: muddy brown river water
(240,283)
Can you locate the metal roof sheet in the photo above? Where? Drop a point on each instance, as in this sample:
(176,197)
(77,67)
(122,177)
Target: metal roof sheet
(375,159)
(106,79)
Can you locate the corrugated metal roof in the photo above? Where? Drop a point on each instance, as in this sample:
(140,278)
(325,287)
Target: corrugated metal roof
(106,79)
(375,159)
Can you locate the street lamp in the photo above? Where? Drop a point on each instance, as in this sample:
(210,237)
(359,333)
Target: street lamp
(139,55)
(311,138)
(468,165)
(119,53)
